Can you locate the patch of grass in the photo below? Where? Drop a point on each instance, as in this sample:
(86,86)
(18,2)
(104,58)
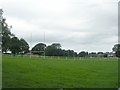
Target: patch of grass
(38,72)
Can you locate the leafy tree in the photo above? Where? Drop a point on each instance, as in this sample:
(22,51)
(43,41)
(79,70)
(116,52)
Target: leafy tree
(56,45)
(10,42)
(51,51)
(6,36)
(54,50)
(38,48)
(71,53)
(100,53)
(116,49)
(105,55)
(75,54)
(93,54)
(83,54)
(64,52)
(24,47)
(15,45)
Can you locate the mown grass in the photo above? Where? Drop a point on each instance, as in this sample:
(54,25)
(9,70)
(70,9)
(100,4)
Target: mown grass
(38,72)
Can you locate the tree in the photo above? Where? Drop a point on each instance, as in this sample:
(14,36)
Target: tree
(116,49)
(100,54)
(1,12)
(24,47)
(15,47)
(56,45)
(93,54)
(83,54)
(71,53)
(54,50)
(64,52)
(38,48)
(9,41)
(6,36)
(105,55)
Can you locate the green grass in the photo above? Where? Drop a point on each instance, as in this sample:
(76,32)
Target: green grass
(38,72)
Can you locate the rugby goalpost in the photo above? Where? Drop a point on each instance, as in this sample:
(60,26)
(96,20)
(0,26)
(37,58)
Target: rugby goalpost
(44,53)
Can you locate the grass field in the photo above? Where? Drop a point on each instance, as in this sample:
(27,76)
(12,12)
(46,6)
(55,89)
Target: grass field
(38,72)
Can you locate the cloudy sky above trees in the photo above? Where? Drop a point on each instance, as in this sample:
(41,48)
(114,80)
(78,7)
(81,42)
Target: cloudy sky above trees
(90,25)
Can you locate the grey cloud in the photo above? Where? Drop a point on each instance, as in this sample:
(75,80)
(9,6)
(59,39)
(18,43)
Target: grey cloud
(80,25)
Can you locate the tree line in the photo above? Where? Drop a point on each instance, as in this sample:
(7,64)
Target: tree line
(12,43)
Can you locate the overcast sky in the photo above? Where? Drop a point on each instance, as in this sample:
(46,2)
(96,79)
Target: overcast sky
(90,25)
